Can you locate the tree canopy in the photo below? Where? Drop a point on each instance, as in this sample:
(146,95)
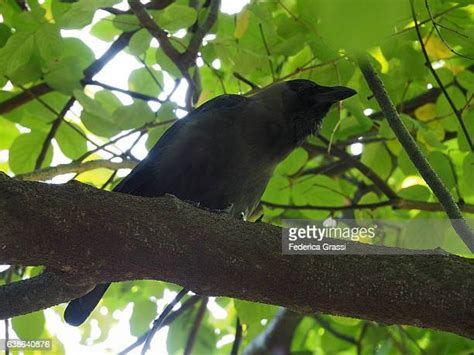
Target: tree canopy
(62,118)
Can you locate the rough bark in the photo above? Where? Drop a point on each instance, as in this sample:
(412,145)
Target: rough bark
(87,236)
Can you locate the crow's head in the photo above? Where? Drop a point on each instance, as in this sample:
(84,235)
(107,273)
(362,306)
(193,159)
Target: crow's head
(298,108)
(306,103)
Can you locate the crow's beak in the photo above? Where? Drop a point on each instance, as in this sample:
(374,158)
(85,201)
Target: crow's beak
(336,93)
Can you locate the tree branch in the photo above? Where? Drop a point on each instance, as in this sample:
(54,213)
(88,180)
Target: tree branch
(64,228)
(190,55)
(52,132)
(364,169)
(36,293)
(153,5)
(277,337)
(156,31)
(196,325)
(76,167)
(395,203)
(134,94)
(416,156)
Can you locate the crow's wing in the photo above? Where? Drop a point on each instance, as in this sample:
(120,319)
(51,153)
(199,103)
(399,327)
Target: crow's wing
(189,160)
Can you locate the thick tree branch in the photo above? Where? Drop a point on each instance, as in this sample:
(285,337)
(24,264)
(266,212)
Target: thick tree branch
(24,97)
(415,154)
(190,55)
(33,294)
(92,236)
(156,31)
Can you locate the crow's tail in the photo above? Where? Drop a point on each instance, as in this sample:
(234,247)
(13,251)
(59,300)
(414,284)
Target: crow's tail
(79,309)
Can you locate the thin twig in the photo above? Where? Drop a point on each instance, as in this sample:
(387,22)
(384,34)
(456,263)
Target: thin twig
(237,338)
(158,322)
(52,132)
(246,81)
(427,20)
(152,75)
(435,25)
(8,279)
(438,80)
(364,169)
(397,203)
(170,319)
(327,326)
(143,128)
(267,50)
(75,167)
(196,325)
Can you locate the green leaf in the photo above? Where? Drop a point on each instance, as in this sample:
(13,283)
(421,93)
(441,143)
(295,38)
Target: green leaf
(29,326)
(74,47)
(134,115)
(141,80)
(293,163)
(108,100)
(355,25)
(49,42)
(278,190)
(99,125)
(139,42)
(29,21)
(154,135)
(167,111)
(167,64)
(405,164)
(444,109)
(442,166)
(175,17)
(65,75)
(468,119)
(466,80)
(27,73)
(81,13)
(16,53)
(96,117)
(8,133)
(416,235)
(72,144)
(468,168)
(430,138)
(318,190)
(415,192)
(377,157)
(105,29)
(91,105)
(143,314)
(25,151)
(5,33)
(252,313)
(290,46)
(126,23)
